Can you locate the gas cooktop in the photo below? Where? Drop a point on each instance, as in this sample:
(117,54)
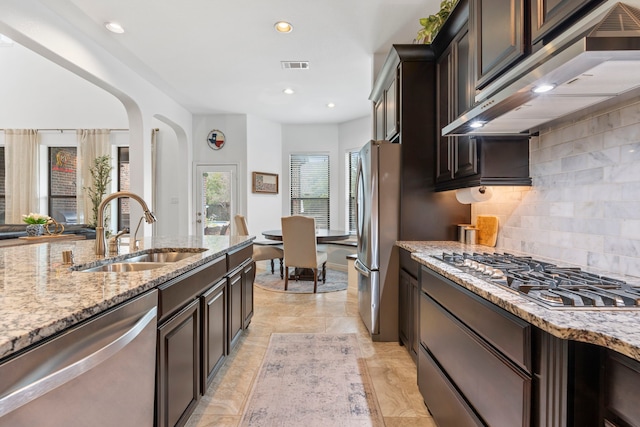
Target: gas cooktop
(546,283)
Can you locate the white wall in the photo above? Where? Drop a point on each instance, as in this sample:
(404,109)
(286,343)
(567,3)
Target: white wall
(120,98)
(264,154)
(584,205)
(38,94)
(234,152)
(171,196)
(38,28)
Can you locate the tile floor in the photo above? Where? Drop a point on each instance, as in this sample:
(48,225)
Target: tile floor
(390,366)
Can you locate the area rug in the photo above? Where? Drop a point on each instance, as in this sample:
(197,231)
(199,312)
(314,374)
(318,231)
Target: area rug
(312,380)
(336,281)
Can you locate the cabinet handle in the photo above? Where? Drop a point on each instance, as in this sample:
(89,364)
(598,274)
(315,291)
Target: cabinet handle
(48,382)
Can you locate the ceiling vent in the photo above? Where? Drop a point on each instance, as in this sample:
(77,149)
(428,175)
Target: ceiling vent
(295,65)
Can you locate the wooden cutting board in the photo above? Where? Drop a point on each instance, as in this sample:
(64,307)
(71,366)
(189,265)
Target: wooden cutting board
(487,230)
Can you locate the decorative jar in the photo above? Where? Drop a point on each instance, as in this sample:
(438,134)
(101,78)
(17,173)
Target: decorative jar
(35,230)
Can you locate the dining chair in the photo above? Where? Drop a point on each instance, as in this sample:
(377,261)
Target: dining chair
(301,248)
(261,251)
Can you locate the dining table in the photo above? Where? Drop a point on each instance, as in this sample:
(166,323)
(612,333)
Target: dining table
(323,235)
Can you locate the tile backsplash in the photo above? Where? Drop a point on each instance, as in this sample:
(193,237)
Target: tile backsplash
(584,205)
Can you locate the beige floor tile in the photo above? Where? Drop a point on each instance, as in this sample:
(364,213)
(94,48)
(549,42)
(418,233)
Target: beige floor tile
(408,422)
(392,370)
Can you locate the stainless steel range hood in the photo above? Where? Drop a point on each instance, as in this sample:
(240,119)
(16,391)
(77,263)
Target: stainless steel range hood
(597,59)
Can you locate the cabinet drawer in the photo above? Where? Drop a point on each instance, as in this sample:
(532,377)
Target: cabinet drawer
(238,256)
(443,401)
(621,389)
(508,333)
(483,376)
(179,291)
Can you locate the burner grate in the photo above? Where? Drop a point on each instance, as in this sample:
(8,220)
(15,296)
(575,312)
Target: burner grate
(547,283)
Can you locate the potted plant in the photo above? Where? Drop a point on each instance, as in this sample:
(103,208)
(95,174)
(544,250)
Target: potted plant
(101,174)
(432,23)
(35,223)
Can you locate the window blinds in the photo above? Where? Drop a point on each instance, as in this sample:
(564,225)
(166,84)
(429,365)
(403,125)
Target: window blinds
(352,174)
(310,187)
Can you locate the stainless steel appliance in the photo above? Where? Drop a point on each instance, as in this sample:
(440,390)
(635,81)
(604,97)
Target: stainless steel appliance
(546,283)
(378,213)
(100,373)
(591,62)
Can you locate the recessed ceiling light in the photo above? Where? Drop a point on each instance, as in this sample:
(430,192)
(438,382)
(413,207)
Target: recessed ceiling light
(543,88)
(114,27)
(289,91)
(283,27)
(476,124)
(331,105)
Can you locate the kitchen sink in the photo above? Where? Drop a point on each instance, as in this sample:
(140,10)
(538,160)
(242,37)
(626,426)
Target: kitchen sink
(127,266)
(162,257)
(141,262)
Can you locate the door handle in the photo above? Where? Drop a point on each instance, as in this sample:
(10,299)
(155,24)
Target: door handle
(199,221)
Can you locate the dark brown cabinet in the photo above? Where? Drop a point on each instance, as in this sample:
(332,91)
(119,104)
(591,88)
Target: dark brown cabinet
(456,155)
(201,315)
(248,277)
(387,120)
(621,390)
(498,26)
(473,354)
(494,161)
(391,110)
(549,15)
(476,354)
(178,380)
(409,293)
(214,330)
(235,307)
(413,68)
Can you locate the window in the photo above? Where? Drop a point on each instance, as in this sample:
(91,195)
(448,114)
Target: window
(310,187)
(352,175)
(62,184)
(123,185)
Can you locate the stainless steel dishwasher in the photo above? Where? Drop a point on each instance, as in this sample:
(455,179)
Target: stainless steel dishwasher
(98,373)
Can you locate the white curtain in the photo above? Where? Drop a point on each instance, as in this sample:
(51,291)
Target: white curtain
(21,169)
(92,143)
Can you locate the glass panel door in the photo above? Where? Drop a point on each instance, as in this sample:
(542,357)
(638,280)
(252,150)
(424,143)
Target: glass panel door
(216,191)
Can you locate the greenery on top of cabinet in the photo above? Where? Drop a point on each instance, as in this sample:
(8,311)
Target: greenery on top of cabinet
(432,23)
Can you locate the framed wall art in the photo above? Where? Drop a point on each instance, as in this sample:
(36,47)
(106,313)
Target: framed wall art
(265,182)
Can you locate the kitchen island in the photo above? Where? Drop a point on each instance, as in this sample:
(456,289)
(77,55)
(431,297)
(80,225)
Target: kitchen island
(201,293)
(40,296)
(480,341)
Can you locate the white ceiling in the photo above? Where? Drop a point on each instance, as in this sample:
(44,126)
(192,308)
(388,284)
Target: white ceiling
(223,56)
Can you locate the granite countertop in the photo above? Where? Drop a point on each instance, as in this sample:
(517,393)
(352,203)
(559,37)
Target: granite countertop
(616,329)
(39,296)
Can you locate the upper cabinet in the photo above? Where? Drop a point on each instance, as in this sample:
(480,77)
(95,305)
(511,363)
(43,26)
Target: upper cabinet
(549,15)
(464,161)
(386,109)
(499,29)
(456,155)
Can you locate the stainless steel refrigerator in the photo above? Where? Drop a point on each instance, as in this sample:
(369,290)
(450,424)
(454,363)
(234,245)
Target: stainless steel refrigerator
(378,216)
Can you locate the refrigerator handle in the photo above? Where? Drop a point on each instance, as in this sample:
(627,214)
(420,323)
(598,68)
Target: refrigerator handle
(361,268)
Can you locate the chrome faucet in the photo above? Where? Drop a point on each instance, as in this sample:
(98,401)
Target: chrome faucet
(114,241)
(100,239)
